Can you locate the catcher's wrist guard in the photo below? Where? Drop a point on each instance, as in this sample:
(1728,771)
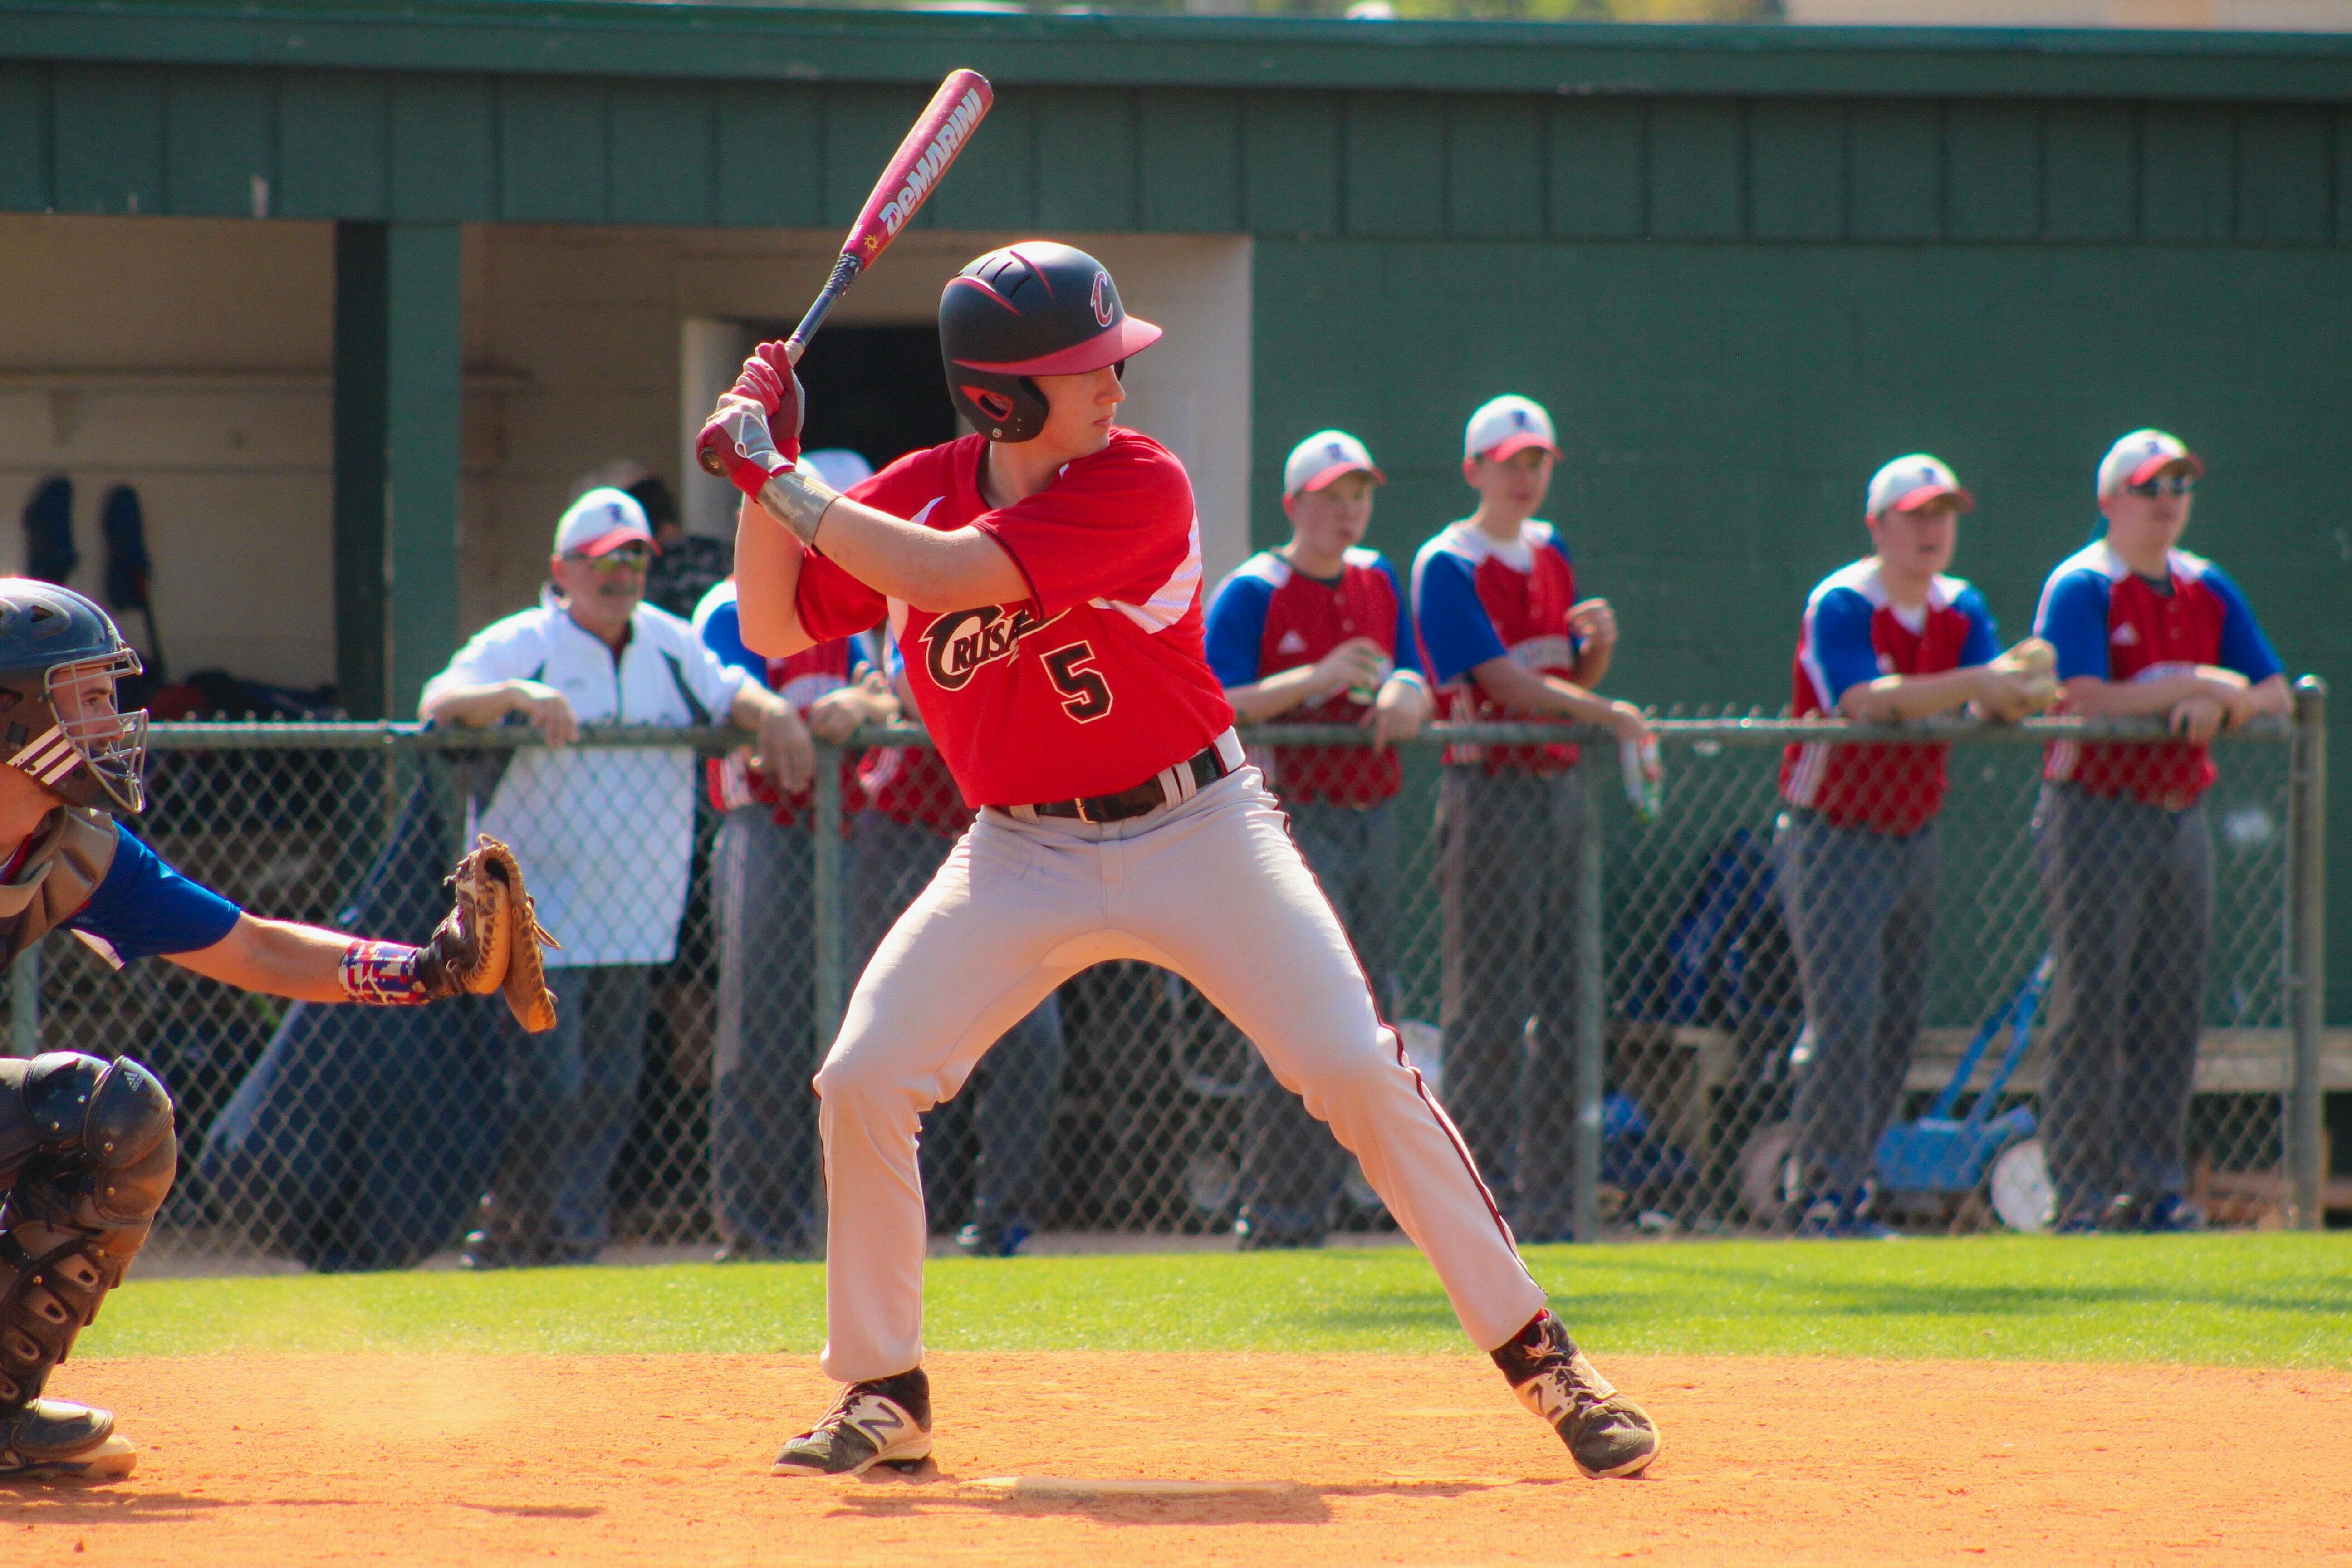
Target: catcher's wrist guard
(389,974)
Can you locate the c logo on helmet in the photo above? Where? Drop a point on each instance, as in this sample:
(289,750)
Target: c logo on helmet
(1106,302)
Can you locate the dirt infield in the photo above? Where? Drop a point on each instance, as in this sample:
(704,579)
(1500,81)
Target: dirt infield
(1352,1459)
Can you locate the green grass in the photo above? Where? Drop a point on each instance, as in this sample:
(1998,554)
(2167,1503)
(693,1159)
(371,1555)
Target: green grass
(2248,1301)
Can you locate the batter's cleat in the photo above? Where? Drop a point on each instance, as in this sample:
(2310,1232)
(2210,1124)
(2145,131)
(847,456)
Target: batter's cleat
(1606,1433)
(51,1440)
(885,1422)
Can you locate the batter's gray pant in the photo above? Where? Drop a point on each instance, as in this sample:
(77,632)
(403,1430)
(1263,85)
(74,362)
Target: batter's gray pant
(1860,908)
(766,1172)
(572,1095)
(1292,1167)
(1507,846)
(2128,889)
(889,864)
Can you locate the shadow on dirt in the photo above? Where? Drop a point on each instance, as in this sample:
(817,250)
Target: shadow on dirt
(932,1493)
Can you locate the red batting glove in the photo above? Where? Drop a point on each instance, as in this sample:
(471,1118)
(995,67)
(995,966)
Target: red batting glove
(741,440)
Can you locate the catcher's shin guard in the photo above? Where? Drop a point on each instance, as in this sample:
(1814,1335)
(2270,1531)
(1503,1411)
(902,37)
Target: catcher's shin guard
(101,1156)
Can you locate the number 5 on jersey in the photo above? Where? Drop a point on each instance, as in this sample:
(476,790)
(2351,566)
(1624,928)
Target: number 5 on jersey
(1085,694)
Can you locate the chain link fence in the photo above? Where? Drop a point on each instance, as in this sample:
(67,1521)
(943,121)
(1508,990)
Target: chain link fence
(1610,987)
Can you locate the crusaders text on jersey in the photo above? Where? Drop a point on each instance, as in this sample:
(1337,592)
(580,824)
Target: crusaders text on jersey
(1269,616)
(1852,635)
(2107,620)
(1096,681)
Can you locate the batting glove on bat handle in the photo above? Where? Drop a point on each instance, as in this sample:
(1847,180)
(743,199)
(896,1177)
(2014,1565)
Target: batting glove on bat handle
(740,442)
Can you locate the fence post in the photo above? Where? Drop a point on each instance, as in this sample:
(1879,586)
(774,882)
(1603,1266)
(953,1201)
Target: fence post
(1591,1005)
(24,1004)
(2306,919)
(827,915)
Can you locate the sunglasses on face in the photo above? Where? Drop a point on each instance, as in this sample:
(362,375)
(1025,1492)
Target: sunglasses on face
(2165,484)
(627,558)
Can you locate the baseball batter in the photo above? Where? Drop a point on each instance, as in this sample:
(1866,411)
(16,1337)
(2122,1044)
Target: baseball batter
(87,1149)
(1043,577)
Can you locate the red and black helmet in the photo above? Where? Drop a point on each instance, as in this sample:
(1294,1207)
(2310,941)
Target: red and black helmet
(1032,308)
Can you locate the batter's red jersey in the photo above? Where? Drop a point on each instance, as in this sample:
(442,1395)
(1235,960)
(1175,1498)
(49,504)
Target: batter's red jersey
(1473,600)
(1269,617)
(1096,681)
(1851,634)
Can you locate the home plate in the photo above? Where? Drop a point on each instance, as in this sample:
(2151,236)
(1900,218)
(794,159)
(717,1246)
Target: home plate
(1074,1487)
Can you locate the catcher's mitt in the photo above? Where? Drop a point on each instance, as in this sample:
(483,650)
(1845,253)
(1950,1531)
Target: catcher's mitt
(490,940)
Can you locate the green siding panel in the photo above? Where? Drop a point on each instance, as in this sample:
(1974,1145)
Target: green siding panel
(1189,161)
(1092,183)
(2284,175)
(1796,170)
(665,165)
(862,126)
(333,144)
(24,138)
(1495,167)
(1993,159)
(1898,174)
(2344,179)
(220,156)
(1695,174)
(1599,168)
(2188,172)
(1290,163)
(772,155)
(1395,176)
(445,149)
(109,140)
(993,183)
(2090,164)
(553,165)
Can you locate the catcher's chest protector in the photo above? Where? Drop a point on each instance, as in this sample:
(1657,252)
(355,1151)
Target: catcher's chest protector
(75,849)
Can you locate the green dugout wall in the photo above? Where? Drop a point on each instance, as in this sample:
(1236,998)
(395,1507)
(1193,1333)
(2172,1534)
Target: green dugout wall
(1743,265)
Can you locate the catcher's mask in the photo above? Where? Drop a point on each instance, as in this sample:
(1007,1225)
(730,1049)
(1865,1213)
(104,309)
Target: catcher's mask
(61,657)
(1032,308)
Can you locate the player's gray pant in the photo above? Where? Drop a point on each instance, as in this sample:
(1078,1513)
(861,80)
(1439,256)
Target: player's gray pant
(765,1171)
(1291,1166)
(889,864)
(2128,889)
(1506,863)
(572,1094)
(1861,909)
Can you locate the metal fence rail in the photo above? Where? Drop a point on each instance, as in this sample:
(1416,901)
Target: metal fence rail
(1652,1070)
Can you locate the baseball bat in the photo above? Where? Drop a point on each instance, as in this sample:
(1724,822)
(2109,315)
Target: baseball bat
(913,173)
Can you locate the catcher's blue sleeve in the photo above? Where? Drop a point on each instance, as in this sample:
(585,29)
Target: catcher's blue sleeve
(144,907)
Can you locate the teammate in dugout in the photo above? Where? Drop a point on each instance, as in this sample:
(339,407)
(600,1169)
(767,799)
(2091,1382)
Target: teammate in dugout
(1888,637)
(1044,576)
(1318,631)
(1504,637)
(2141,626)
(87,1147)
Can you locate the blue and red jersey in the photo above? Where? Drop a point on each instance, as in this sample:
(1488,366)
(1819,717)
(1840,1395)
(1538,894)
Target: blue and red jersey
(1475,599)
(1853,633)
(800,680)
(2106,620)
(1269,616)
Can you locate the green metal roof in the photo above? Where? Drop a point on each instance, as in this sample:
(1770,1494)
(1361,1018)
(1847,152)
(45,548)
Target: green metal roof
(598,37)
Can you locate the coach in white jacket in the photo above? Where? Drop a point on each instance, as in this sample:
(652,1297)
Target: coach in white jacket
(608,835)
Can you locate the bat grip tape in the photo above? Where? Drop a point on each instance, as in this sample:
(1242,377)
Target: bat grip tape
(845,272)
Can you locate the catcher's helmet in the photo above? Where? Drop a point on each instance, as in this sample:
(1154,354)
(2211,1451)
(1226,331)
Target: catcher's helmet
(60,656)
(1032,308)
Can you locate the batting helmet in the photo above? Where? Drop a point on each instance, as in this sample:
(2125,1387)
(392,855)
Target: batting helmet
(1032,308)
(60,656)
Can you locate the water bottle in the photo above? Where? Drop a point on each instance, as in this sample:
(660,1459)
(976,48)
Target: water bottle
(1366,695)
(1645,776)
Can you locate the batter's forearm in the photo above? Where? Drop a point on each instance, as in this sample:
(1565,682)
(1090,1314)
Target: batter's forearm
(921,566)
(767,585)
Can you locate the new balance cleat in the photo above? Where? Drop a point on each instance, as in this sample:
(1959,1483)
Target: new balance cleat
(885,1422)
(1606,1433)
(51,1440)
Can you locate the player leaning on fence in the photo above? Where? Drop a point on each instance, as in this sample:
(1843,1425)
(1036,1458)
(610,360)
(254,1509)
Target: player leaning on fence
(2141,627)
(1888,637)
(1317,631)
(87,1146)
(1502,636)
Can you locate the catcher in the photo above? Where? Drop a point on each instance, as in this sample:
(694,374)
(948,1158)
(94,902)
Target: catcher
(87,1149)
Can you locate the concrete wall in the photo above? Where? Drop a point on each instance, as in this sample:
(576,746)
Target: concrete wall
(190,357)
